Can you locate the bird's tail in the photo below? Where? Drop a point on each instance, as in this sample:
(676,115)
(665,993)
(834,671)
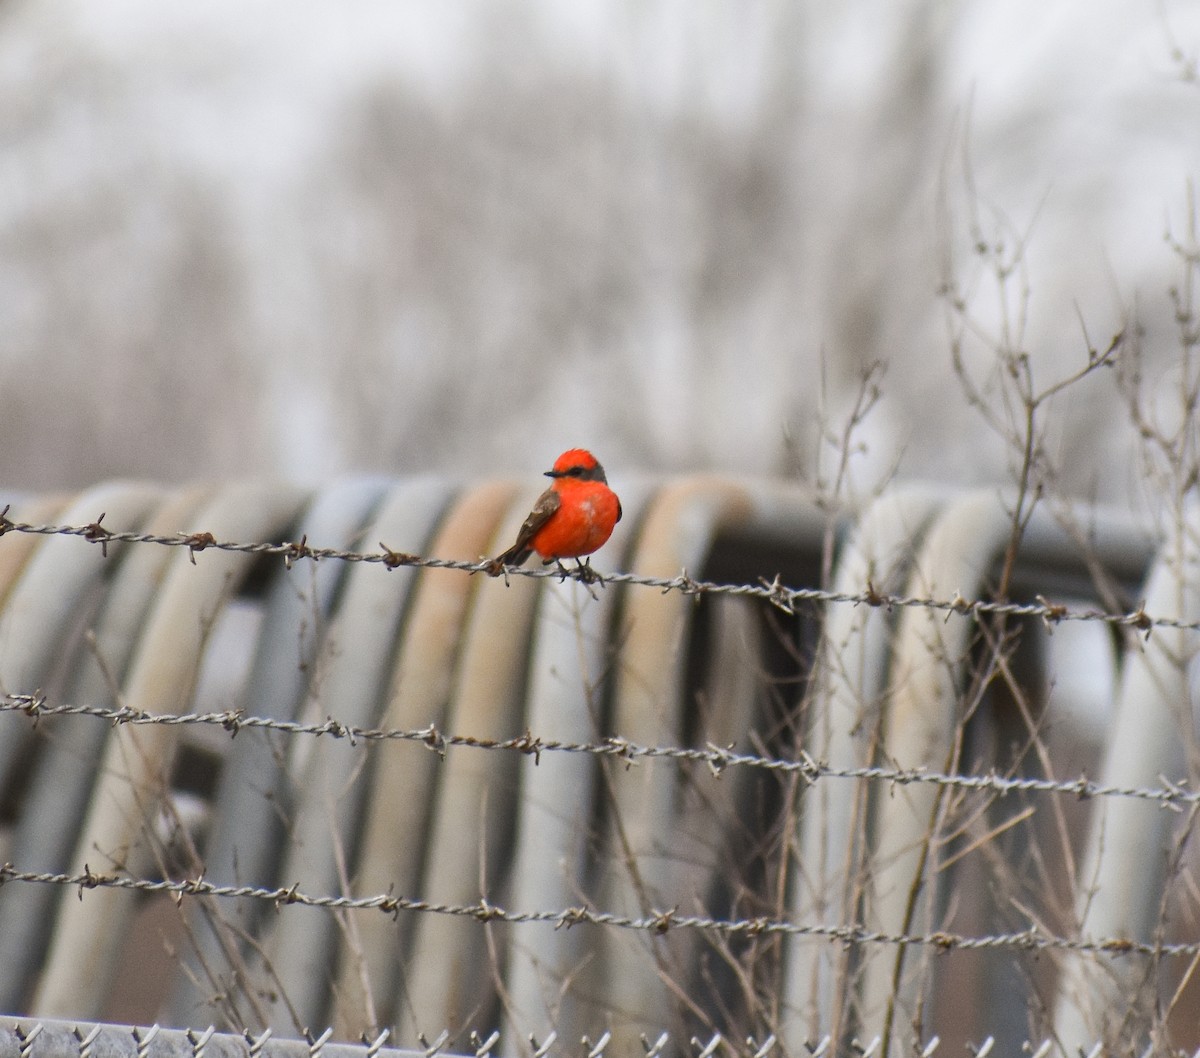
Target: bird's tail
(514,556)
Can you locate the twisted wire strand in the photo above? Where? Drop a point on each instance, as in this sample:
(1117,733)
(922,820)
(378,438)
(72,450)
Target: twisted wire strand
(658,922)
(775,592)
(716,758)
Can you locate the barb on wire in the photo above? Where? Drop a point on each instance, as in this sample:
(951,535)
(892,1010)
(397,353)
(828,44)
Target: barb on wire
(772,591)
(715,758)
(1032,939)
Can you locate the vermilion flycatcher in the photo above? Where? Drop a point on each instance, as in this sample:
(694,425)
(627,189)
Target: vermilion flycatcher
(572,518)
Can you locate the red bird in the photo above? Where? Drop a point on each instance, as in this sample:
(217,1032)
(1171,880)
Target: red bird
(572,518)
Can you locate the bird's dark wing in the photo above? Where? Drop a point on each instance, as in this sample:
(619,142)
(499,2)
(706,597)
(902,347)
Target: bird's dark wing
(547,503)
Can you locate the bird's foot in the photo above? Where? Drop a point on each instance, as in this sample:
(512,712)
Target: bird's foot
(584,573)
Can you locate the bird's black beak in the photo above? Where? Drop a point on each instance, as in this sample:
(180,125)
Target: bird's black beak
(553,474)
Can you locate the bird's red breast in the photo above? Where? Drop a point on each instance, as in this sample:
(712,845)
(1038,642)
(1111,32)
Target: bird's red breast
(587,512)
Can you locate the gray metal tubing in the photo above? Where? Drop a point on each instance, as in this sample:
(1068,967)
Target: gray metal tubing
(958,556)
(130,789)
(849,681)
(55,590)
(399,807)
(571,659)
(350,681)
(65,771)
(1120,890)
(254,793)
(649,814)
(449,981)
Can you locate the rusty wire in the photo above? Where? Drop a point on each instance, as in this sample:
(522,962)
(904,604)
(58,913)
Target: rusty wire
(716,758)
(774,591)
(658,922)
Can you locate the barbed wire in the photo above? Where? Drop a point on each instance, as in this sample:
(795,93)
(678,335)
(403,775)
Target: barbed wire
(657,922)
(774,591)
(35,706)
(716,758)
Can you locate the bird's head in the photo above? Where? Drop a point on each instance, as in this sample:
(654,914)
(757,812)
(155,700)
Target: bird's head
(577,463)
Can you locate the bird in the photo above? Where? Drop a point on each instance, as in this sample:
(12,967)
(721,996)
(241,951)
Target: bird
(572,518)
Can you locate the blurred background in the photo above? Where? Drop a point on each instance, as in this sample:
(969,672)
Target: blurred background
(304,241)
(299,240)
